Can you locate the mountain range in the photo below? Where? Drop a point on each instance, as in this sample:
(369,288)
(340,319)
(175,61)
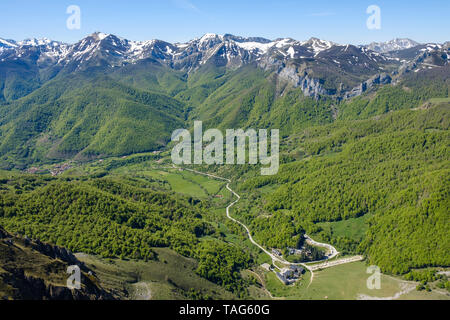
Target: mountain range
(301,62)
(234,49)
(96,97)
(309,64)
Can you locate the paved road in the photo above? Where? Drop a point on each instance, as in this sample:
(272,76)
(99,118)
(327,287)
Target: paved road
(328,264)
(272,256)
(332,250)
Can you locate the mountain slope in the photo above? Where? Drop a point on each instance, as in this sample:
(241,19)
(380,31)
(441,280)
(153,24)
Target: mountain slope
(389,173)
(106,95)
(364,143)
(87,116)
(121,216)
(314,56)
(32,270)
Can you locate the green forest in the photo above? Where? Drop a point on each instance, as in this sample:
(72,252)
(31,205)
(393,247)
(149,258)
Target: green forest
(114,218)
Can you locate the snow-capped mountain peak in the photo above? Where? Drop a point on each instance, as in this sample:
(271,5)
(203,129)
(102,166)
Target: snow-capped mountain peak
(107,49)
(294,61)
(38,42)
(100,35)
(318,45)
(7,43)
(392,45)
(102,49)
(210,36)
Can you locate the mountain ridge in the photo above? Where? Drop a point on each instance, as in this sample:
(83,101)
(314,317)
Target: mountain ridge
(30,63)
(88,100)
(392,45)
(131,51)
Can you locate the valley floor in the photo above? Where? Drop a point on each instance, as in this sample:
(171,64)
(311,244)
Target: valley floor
(173,276)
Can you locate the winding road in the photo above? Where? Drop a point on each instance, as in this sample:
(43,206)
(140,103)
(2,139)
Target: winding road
(326,264)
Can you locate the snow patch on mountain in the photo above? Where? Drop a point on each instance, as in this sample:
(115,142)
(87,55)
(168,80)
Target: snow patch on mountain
(392,45)
(255,46)
(318,45)
(6,43)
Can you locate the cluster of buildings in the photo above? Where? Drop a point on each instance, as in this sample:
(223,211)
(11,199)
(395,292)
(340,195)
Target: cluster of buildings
(60,168)
(299,252)
(292,251)
(276,252)
(35,170)
(55,171)
(290,275)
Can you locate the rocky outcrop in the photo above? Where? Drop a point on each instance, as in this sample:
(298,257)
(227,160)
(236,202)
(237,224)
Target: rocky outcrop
(56,252)
(310,87)
(429,58)
(33,270)
(31,288)
(3,234)
(379,79)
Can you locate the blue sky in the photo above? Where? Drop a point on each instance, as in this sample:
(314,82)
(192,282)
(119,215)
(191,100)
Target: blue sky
(181,20)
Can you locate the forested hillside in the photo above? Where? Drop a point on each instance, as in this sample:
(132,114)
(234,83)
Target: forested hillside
(393,168)
(83,117)
(115,218)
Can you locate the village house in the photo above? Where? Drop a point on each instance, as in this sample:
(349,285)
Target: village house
(293,251)
(290,275)
(276,252)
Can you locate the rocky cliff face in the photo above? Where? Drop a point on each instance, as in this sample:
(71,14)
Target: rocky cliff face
(311,87)
(428,58)
(379,79)
(32,270)
(25,287)
(56,252)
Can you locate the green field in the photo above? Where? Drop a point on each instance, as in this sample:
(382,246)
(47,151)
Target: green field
(353,228)
(180,181)
(346,282)
(183,182)
(439,100)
